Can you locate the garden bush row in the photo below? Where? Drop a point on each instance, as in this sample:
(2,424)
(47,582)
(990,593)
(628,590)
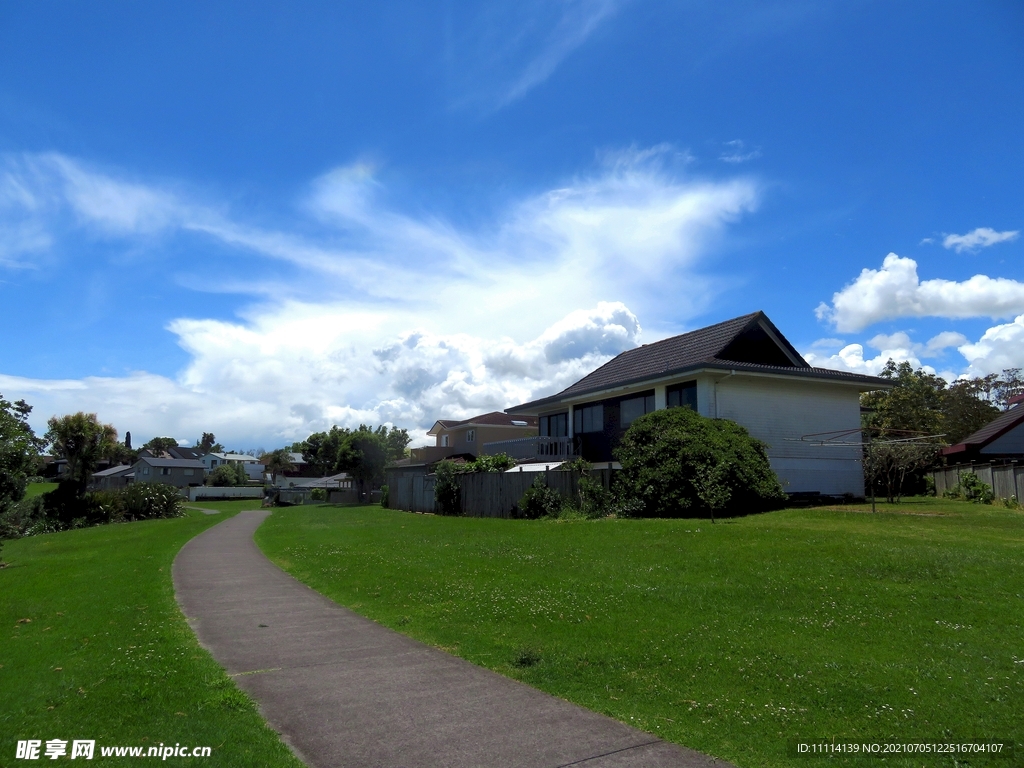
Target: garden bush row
(66,508)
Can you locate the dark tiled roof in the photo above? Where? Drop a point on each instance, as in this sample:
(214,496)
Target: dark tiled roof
(184,463)
(751,342)
(494,419)
(185,453)
(996,428)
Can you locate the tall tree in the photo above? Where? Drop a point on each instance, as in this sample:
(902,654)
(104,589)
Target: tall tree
(364,454)
(160,445)
(208,444)
(914,404)
(966,407)
(19,450)
(278,462)
(82,440)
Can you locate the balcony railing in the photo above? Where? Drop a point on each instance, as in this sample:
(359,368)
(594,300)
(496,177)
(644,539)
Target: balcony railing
(533,448)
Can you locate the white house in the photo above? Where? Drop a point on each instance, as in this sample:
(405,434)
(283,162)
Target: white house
(212,460)
(744,370)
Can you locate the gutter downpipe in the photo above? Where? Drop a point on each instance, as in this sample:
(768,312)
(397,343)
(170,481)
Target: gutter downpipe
(728,376)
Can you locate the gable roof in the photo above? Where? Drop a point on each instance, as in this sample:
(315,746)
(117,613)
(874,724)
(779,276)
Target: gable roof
(184,463)
(995,429)
(120,469)
(181,452)
(750,342)
(492,419)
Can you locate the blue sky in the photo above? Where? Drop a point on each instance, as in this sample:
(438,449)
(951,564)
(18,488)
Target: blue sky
(261,220)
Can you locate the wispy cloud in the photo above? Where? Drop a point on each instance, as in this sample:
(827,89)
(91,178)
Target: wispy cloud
(578,22)
(736,152)
(382,315)
(982,237)
(896,291)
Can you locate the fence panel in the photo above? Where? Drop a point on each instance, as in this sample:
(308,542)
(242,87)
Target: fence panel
(1006,480)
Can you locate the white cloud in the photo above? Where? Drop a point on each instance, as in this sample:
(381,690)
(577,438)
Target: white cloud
(1000,347)
(896,291)
(982,237)
(579,20)
(735,153)
(383,315)
(896,346)
(304,368)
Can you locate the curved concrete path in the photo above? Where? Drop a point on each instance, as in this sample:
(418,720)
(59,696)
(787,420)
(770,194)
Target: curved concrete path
(345,691)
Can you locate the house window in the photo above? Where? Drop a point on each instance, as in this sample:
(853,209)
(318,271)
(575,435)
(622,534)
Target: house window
(189,472)
(470,435)
(213,463)
(632,409)
(555,425)
(145,470)
(165,470)
(444,441)
(682,396)
(589,418)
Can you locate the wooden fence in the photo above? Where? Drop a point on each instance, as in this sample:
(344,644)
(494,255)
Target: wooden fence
(1006,480)
(485,494)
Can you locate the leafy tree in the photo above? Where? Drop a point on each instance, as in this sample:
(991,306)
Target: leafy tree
(966,408)
(228,475)
(1009,384)
(320,451)
(891,465)
(82,441)
(160,445)
(19,450)
(208,444)
(278,462)
(914,404)
(662,453)
(498,463)
(364,454)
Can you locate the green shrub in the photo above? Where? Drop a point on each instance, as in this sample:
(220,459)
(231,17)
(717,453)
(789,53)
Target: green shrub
(318,494)
(539,501)
(228,476)
(497,463)
(591,499)
(384,496)
(447,494)
(972,489)
(677,463)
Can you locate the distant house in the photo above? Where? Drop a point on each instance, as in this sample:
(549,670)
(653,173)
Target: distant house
(181,473)
(743,369)
(467,437)
(1002,438)
(114,477)
(301,469)
(213,460)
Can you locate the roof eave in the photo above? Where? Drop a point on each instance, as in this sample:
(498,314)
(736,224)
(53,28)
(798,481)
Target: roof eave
(796,372)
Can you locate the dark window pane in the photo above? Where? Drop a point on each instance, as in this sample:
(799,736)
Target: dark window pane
(630,410)
(577,421)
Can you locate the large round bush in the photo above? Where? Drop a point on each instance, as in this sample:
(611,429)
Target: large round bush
(677,463)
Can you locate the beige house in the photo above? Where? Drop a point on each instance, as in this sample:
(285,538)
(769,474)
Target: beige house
(467,437)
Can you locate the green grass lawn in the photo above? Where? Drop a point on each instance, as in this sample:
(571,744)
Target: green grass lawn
(732,639)
(38,489)
(93,646)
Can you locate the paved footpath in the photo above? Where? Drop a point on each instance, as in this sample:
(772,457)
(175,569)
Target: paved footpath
(345,691)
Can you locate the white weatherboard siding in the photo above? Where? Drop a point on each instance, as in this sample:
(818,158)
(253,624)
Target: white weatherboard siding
(780,412)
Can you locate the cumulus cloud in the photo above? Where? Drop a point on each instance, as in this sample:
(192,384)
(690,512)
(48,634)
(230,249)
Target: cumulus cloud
(896,291)
(896,346)
(382,315)
(1000,347)
(982,237)
(277,379)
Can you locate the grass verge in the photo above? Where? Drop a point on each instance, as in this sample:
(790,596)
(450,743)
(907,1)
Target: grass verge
(93,646)
(38,489)
(733,639)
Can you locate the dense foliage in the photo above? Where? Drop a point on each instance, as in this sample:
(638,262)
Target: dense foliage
(677,463)
(64,509)
(19,450)
(926,404)
(82,441)
(539,501)
(362,452)
(447,495)
(228,475)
